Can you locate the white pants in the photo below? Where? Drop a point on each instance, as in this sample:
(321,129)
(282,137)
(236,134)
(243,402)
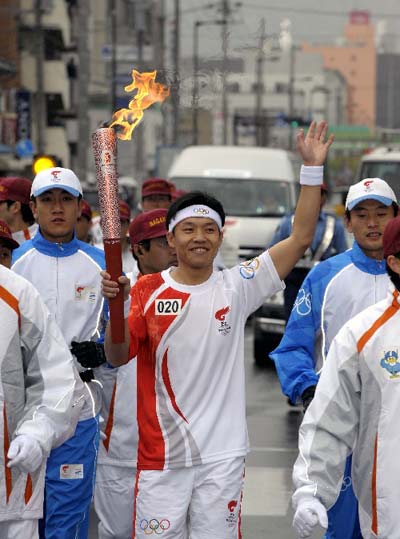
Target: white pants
(202,501)
(19,529)
(113,501)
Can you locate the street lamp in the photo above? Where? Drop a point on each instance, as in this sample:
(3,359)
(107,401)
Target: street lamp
(195,92)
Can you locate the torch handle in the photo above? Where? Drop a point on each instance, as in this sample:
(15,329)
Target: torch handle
(112,251)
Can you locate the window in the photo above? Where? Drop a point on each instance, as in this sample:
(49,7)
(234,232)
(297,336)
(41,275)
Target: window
(233,88)
(53,44)
(54,104)
(256,87)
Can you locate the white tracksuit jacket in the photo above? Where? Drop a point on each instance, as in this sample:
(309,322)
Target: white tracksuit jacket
(37,384)
(356,409)
(68,277)
(119,447)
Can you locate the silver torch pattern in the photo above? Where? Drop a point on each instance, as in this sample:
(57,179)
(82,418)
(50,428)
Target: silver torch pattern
(105,157)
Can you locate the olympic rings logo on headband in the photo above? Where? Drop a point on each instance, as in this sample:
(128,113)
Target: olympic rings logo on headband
(201,211)
(154,526)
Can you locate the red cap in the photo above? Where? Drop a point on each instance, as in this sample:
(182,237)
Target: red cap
(178,193)
(86,210)
(148,225)
(124,211)
(391,237)
(156,186)
(6,236)
(16,189)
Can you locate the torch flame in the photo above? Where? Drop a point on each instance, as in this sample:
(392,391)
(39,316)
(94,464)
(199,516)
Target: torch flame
(148,92)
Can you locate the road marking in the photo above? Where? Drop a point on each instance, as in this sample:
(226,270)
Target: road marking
(267,492)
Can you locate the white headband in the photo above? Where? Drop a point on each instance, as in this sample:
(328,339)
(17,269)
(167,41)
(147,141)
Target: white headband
(198,210)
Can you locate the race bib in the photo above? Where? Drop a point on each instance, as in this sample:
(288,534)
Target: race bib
(168,306)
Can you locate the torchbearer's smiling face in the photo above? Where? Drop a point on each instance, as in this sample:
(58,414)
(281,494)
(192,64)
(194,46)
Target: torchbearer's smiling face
(196,241)
(56,212)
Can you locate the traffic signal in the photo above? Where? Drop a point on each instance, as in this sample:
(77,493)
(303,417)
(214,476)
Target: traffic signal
(42,161)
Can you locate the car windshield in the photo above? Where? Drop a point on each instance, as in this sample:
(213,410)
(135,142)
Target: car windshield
(387,170)
(244,198)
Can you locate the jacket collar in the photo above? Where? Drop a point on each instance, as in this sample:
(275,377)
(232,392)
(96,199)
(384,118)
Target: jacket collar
(365,263)
(54,249)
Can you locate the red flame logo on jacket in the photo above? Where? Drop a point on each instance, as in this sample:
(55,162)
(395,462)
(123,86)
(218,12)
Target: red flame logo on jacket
(220,315)
(232,505)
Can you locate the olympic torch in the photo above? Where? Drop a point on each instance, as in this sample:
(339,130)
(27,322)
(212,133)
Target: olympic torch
(148,91)
(105,157)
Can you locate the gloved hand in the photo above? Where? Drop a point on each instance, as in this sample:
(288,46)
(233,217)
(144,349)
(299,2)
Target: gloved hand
(307,396)
(25,453)
(309,513)
(89,354)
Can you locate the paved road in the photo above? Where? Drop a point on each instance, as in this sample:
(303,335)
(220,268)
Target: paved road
(273,427)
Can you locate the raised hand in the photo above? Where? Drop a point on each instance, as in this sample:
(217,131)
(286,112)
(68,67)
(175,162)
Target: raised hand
(313,147)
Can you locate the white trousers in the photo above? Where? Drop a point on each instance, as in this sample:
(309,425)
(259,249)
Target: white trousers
(201,502)
(113,501)
(19,529)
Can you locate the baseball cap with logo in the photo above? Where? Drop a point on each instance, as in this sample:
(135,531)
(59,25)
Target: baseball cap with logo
(56,178)
(6,236)
(15,189)
(148,225)
(370,189)
(156,186)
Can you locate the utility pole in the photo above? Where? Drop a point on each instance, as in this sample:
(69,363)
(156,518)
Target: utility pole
(140,28)
(261,127)
(292,50)
(176,61)
(195,93)
(195,89)
(83,88)
(40,95)
(158,31)
(113,17)
(225,10)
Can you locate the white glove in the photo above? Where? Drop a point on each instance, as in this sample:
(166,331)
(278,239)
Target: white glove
(309,513)
(25,453)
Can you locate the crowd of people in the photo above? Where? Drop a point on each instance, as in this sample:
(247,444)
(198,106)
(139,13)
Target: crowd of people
(144,428)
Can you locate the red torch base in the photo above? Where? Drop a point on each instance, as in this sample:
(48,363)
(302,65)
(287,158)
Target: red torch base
(112,251)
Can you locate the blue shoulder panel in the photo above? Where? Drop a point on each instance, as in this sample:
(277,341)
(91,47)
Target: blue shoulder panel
(21,250)
(294,357)
(94,252)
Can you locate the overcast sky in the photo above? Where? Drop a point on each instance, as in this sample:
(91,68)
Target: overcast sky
(318,21)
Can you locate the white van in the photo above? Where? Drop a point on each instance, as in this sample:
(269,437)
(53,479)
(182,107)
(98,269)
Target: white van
(383,162)
(256,186)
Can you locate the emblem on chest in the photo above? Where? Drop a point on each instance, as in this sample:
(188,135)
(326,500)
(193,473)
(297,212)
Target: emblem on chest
(224,328)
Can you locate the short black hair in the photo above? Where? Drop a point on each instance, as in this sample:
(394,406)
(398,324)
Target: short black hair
(146,246)
(26,212)
(394,206)
(192,198)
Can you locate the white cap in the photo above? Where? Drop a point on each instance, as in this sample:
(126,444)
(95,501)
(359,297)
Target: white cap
(56,178)
(370,189)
